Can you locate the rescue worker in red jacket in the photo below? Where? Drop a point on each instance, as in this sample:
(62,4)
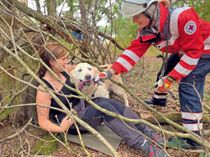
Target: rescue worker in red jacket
(171,30)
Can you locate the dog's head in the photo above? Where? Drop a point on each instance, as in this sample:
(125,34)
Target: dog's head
(84,74)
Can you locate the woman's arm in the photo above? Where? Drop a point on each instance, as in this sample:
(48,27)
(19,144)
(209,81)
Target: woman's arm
(43,101)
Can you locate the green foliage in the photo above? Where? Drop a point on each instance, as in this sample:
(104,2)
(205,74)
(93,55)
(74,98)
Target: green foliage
(5,113)
(46,146)
(203,154)
(126,30)
(123,30)
(201,7)
(204,10)
(153,51)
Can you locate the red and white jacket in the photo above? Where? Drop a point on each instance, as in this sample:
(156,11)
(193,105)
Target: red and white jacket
(189,35)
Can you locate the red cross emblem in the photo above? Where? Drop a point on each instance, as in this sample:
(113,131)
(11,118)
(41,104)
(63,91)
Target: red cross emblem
(190,27)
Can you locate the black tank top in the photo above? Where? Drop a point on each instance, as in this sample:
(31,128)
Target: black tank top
(68,102)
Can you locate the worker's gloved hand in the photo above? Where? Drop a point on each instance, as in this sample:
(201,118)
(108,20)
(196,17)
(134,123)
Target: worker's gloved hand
(165,83)
(102,76)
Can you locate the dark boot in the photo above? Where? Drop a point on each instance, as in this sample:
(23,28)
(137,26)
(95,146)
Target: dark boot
(183,143)
(159,99)
(193,144)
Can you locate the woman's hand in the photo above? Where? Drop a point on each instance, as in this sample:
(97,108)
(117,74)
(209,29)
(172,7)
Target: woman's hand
(66,123)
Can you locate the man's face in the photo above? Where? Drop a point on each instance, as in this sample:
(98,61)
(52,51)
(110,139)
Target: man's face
(141,20)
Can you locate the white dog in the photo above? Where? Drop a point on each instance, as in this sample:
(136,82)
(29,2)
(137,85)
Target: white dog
(83,76)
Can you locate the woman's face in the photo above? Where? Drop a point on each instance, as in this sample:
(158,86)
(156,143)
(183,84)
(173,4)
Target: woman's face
(141,20)
(59,64)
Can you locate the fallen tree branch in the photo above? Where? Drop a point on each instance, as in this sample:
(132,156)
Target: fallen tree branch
(67,111)
(57,26)
(189,134)
(175,117)
(50,21)
(111,39)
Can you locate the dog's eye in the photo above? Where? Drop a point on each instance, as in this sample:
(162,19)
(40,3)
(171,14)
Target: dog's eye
(79,70)
(90,69)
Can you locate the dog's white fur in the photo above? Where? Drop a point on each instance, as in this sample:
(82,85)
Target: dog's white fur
(84,72)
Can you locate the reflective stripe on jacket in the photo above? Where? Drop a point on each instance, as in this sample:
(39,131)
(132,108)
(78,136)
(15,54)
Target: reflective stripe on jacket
(189,35)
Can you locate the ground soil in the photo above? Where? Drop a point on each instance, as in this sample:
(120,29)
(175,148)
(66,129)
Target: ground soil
(141,81)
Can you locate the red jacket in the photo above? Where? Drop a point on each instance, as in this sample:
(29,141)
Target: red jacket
(189,35)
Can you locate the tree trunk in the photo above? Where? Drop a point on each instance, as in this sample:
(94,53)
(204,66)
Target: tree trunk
(51,7)
(38,7)
(7,19)
(83,11)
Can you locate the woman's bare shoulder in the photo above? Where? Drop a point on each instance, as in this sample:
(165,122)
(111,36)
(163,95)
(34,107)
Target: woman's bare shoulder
(42,93)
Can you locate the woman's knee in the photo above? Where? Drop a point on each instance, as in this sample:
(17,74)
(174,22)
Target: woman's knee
(107,106)
(110,104)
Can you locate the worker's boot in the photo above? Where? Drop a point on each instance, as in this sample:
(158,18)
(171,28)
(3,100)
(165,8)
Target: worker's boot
(158,99)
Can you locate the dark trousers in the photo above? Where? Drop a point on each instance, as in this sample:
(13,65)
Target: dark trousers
(160,98)
(171,62)
(134,135)
(191,90)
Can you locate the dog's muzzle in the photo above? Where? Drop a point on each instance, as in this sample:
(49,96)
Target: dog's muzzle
(87,82)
